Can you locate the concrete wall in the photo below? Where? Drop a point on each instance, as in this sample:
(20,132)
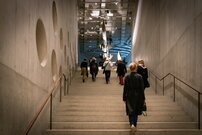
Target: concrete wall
(30,63)
(169,40)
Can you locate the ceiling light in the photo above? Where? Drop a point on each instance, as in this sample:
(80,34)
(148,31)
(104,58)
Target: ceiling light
(103,5)
(109,13)
(95,13)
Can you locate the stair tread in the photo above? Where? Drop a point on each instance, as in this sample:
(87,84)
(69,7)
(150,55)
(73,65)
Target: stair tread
(98,107)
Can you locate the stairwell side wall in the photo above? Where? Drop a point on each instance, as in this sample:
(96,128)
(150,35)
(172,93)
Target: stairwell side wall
(169,40)
(25,80)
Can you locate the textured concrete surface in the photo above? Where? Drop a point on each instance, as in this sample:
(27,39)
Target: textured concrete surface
(24,83)
(169,42)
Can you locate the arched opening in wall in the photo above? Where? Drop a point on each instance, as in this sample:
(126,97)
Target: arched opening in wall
(54,65)
(54,13)
(41,43)
(61,39)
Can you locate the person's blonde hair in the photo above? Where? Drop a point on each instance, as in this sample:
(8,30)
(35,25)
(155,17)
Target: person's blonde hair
(133,67)
(141,61)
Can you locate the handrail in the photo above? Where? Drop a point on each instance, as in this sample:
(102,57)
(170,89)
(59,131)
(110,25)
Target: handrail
(53,89)
(176,78)
(193,89)
(65,84)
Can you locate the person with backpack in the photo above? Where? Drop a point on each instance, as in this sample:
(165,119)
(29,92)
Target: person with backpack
(94,68)
(107,67)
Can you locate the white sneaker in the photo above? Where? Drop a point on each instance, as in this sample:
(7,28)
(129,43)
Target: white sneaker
(132,126)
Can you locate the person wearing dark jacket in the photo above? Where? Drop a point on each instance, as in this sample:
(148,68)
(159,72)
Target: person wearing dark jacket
(121,70)
(94,68)
(133,95)
(142,70)
(84,69)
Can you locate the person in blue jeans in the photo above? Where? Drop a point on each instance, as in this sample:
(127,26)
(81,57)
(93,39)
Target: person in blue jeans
(133,95)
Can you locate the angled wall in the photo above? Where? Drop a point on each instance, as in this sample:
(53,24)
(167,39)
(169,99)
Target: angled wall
(169,40)
(38,43)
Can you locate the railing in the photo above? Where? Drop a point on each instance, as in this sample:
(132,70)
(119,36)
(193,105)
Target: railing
(66,83)
(174,79)
(50,99)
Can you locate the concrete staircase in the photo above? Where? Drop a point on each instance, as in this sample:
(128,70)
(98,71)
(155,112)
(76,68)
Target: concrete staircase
(96,108)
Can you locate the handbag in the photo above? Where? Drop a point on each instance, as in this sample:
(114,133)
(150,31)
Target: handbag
(104,68)
(147,85)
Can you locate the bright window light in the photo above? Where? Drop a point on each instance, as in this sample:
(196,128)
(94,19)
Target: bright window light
(95,13)
(109,14)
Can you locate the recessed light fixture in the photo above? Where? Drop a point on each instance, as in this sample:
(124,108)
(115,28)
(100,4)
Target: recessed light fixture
(95,13)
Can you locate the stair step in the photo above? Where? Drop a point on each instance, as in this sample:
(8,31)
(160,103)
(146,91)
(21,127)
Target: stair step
(123,125)
(95,108)
(114,113)
(107,118)
(124,132)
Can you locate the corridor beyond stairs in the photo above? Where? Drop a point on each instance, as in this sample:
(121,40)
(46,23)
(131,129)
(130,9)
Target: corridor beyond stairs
(96,108)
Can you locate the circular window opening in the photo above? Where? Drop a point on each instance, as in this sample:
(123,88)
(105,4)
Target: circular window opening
(54,65)
(41,42)
(61,39)
(54,13)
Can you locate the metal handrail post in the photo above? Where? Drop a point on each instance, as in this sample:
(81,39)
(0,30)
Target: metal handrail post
(51,110)
(163,86)
(174,90)
(61,89)
(65,87)
(199,111)
(149,76)
(155,84)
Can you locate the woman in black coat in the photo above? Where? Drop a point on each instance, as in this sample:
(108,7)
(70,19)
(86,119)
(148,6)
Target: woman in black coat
(133,95)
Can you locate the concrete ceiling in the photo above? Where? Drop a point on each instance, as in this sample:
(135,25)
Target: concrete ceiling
(118,16)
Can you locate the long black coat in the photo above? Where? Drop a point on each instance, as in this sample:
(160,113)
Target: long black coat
(94,67)
(133,93)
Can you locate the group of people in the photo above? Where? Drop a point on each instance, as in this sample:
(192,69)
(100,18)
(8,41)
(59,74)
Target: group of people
(93,68)
(134,83)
